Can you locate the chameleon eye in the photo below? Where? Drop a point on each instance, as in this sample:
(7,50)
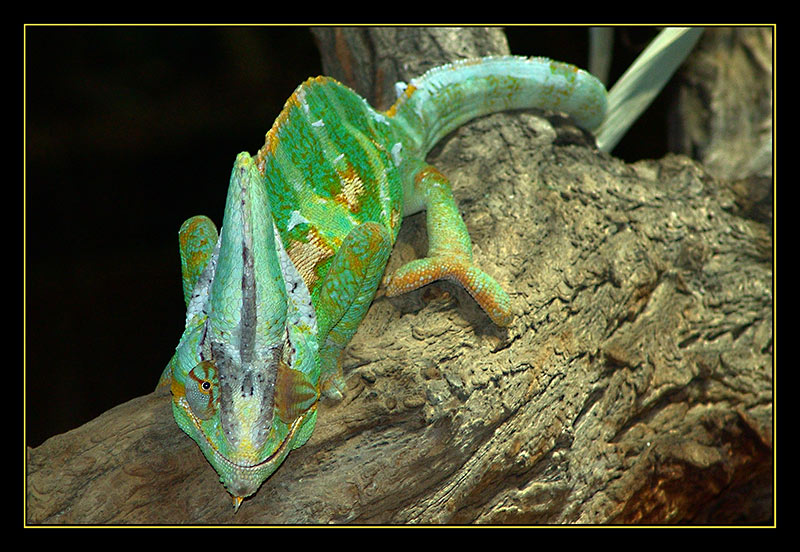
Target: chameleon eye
(200,390)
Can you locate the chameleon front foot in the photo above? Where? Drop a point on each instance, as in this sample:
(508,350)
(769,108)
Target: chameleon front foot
(345,294)
(333,387)
(482,287)
(331,381)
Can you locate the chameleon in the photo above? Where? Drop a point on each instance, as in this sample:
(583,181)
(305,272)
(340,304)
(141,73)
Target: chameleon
(273,297)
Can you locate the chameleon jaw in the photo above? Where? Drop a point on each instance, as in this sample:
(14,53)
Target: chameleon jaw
(247,478)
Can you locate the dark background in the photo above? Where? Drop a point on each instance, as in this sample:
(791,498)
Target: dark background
(128,132)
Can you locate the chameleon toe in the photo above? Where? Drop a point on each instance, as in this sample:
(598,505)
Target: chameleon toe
(482,287)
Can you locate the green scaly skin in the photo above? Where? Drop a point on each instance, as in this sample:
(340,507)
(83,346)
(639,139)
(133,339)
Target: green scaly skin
(309,223)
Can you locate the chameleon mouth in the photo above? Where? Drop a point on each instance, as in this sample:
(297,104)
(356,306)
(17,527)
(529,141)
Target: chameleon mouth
(275,456)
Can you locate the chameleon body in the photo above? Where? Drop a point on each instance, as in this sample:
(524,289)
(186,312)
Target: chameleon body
(309,222)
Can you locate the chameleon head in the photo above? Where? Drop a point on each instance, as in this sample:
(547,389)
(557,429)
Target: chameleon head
(245,374)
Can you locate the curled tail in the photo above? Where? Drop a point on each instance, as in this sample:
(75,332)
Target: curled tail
(445,97)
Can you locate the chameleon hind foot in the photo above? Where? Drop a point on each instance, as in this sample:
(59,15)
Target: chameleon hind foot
(449,248)
(483,288)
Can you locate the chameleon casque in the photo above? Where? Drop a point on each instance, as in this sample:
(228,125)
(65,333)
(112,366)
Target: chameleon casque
(309,222)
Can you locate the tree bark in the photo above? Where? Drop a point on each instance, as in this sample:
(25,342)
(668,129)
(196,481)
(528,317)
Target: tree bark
(634,386)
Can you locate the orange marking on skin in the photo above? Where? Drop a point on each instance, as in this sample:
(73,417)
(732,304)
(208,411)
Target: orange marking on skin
(395,218)
(308,255)
(178,390)
(292,391)
(438,180)
(352,189)
(500,314)
(406,94)
(190,231)
(197,258)
(456,271)
(271,139)
(427,172)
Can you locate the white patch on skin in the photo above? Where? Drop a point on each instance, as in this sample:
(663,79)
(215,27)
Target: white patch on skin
(396,157)
(294,219)
(198,303)
(301,310)
(380,118)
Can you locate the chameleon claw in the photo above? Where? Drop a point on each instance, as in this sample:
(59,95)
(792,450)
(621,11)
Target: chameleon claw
(237,501)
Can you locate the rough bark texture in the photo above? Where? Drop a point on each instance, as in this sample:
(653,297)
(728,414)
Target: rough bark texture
(635,385)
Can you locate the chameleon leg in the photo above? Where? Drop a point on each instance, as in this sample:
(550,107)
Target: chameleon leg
(449,250)
(345,295)
(197,238)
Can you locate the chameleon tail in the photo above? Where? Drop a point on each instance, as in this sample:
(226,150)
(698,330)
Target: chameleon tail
(435,104)
(445,97)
